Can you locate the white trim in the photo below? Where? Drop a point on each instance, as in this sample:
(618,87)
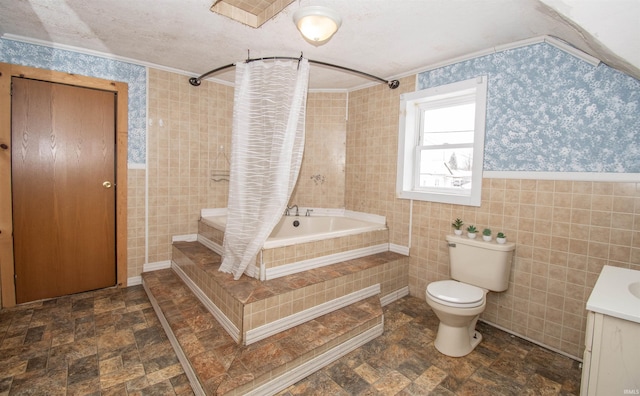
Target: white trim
(404,250)
(370,217)
(135,166)
(570,176)
(282,324)
(531,340)
(568,48)
(64,47)
(148,267)
(184,238)
(294,268)
(210,244)
(413,106)
(184,361)
(294,375)
(134,281)
(146,173)
(394,296)
(517,44)
(522,43)
(231,329)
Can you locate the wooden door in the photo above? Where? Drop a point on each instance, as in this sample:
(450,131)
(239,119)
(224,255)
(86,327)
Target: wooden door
(63,187)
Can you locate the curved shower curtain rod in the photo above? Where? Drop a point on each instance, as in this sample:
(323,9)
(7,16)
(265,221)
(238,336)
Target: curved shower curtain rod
(195,81)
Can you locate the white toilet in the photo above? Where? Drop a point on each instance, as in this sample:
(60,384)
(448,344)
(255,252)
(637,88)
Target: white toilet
(477,267)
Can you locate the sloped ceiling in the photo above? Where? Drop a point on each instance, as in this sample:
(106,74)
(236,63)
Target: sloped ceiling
(386,38)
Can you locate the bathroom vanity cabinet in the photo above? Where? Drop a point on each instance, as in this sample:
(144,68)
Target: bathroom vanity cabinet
(611,364)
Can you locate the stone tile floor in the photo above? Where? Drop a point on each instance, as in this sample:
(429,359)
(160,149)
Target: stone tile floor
(403,361)
(106,342)
(111,342)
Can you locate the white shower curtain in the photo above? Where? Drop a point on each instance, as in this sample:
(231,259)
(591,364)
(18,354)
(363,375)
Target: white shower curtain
(266,151)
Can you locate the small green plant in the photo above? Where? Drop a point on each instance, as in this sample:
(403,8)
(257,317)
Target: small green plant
(486,232)
(457,224)
(501,235)
(472,229)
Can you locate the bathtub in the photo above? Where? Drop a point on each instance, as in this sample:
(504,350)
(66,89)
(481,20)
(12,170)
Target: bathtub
(301,243)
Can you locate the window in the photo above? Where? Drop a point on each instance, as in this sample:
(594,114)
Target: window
(441,143)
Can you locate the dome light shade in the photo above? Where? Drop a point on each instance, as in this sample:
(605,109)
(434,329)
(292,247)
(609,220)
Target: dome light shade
(316,23)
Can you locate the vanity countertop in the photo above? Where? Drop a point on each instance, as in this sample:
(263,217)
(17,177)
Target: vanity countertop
(613,293)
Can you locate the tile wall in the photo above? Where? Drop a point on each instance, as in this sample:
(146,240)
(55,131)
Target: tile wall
(291,254)
(564,231)
(389,272)
(135,221)
(189,133)
(321,180)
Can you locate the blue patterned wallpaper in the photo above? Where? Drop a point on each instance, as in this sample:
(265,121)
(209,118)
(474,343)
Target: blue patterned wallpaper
(548,111)
(135,76)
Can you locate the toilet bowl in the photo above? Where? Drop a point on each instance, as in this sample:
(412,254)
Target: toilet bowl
(476,268)
(458,307)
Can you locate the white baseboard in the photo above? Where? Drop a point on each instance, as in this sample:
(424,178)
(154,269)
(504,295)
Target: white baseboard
(294,268)
(210,244)
(137,280)
(134,281)
(404,250)
(227,324)
(576,358)
(394,295)
(294,375)
(156,266)
(184,238)
(277,326)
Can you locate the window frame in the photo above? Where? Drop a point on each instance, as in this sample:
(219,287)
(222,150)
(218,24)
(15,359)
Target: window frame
(408,171)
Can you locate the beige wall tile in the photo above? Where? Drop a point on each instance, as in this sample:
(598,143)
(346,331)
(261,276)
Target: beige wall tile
(564,231)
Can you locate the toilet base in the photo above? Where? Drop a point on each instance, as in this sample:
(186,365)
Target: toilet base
(457,341)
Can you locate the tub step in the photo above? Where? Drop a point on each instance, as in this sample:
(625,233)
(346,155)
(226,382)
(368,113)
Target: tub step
(217,365)
(250,310)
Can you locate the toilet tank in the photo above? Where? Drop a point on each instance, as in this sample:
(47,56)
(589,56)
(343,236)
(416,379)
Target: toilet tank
(480,263)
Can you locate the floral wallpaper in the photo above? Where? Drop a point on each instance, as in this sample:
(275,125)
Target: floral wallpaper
(548,111)
(72,62)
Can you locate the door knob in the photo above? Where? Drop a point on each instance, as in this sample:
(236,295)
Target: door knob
(107,184)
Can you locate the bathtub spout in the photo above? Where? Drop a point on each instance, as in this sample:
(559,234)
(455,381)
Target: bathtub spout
(286,212)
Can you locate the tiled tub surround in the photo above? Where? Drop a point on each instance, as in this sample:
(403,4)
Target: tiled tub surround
(250,309)
(216,365)
(283,255)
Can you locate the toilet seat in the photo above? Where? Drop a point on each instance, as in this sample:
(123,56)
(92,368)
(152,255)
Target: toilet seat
(456,294)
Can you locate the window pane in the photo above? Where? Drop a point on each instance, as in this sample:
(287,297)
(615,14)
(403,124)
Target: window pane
(449,125)
(450,168)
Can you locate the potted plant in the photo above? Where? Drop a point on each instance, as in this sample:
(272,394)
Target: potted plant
(457,225)
(486,234)
(471,231)
(501,238)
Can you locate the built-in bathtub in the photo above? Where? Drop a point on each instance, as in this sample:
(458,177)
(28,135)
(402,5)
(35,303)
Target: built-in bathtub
(300,243)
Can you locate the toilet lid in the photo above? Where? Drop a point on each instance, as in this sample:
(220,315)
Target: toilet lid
(451,292)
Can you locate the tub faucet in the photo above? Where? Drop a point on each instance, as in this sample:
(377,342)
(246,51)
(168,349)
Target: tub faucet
(286,212)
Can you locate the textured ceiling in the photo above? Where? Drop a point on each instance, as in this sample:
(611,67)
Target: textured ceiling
(386,38)
(250,12)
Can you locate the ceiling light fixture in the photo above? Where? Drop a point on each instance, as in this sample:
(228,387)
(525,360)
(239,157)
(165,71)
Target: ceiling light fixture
(317,23)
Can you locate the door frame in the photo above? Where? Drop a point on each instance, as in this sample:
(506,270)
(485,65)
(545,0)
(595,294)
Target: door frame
(7,71)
